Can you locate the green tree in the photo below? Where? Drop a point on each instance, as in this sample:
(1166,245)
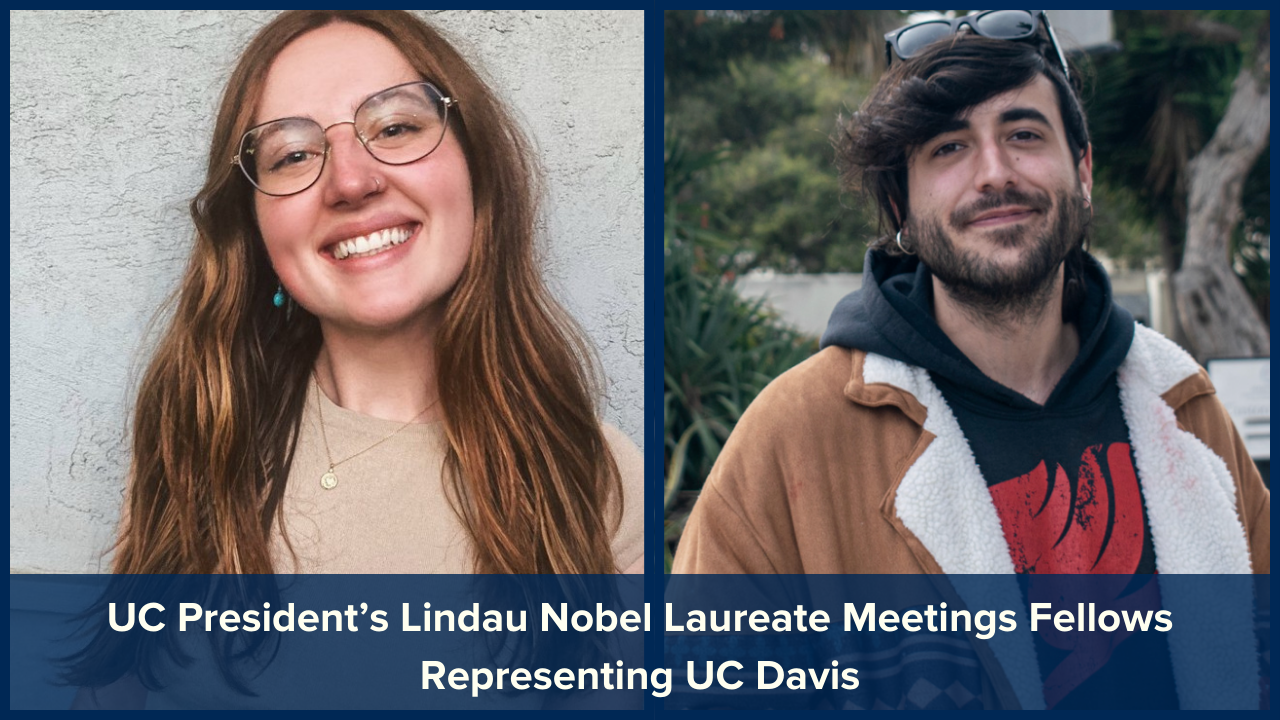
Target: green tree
(1216,312)
(697,44)
(1152,109)
(767,90)
(719,350)
(777,192)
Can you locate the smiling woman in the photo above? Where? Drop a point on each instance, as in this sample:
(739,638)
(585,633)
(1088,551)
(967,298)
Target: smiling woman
(362,368)
(364,371)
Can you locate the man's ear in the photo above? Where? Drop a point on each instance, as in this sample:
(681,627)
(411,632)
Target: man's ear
(897,216)
(1086,171)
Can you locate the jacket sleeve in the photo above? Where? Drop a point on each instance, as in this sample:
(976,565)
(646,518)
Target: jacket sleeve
(1207,419)
(742,521)
(718,539)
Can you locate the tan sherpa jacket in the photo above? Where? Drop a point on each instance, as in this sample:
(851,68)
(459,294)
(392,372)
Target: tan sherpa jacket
(852,463)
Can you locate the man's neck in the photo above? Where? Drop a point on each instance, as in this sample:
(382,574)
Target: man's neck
(1027,351)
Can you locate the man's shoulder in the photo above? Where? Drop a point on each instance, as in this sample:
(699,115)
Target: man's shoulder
(806,393)
(820,398)
(816,452)
(823,374)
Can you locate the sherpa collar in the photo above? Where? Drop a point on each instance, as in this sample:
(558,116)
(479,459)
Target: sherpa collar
(944,501)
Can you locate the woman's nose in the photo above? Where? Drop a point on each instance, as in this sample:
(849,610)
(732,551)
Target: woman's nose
(351,173)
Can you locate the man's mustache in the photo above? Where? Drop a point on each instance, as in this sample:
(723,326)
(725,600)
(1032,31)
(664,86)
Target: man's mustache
(1038,201)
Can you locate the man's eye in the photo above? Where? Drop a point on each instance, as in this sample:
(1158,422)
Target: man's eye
(1025,135)
(946,149)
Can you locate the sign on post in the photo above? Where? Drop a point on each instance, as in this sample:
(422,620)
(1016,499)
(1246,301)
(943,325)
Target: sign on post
(1244,387)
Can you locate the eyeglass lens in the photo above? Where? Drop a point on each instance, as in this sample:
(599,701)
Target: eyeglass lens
(914,39)
(998,24)
(397,126)
(1006,24)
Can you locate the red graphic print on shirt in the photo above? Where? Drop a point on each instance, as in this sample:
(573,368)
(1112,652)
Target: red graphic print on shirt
(1091,526)
(1089,652)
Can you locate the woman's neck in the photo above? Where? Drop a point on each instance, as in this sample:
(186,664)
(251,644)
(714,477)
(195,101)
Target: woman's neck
(385,375)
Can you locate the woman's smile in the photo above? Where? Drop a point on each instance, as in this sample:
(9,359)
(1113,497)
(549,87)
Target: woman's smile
(374,243)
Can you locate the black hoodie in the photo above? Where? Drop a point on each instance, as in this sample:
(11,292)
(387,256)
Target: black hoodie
(892,315)
(1062,474)
(1012,437)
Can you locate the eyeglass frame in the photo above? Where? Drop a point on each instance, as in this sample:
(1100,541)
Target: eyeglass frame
(445,100)
(891,38)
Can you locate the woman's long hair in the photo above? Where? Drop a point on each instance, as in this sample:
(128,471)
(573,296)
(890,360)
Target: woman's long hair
(531,476)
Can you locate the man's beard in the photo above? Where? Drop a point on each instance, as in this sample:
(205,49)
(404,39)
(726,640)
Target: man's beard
(988,290)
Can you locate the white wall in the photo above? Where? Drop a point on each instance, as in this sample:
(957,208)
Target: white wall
(804,301)
(110,115)
(1082,28)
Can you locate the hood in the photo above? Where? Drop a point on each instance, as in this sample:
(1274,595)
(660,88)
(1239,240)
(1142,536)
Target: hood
(892,315)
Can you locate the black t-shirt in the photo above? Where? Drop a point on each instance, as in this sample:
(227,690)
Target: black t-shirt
(1064,485)
(1063,482)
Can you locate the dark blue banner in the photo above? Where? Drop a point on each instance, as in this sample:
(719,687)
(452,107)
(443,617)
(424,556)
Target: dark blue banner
(329,642)
(737,642)
(968,642)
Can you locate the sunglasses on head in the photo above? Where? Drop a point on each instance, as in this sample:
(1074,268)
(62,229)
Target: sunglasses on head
(907,42)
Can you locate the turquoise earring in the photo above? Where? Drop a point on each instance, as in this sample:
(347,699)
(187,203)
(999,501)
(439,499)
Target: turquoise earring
(278,298)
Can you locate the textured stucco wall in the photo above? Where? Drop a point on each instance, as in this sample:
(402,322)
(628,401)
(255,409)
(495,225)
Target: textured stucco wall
(110,115)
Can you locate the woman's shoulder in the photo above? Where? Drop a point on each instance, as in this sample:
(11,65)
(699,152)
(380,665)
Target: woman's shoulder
(628,540)
(623,448)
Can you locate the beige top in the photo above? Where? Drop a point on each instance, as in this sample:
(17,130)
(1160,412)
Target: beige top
(390,512)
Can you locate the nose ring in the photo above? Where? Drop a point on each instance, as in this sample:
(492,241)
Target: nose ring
(377,185)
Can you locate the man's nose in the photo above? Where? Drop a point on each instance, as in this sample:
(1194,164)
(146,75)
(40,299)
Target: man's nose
(996,168)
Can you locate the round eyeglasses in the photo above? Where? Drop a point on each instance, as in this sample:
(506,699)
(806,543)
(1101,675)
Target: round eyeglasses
(399,125)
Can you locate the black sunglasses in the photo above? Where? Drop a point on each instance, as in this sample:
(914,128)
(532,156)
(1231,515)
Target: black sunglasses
(908,41)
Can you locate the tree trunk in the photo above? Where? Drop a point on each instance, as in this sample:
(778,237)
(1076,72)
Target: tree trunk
(1215,311)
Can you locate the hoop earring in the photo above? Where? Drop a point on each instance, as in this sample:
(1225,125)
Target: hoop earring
(901,247)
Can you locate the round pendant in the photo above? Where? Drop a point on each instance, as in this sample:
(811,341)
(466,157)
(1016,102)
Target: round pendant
(328,481)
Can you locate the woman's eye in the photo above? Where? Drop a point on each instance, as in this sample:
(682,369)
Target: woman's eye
(290,158)
(396,130)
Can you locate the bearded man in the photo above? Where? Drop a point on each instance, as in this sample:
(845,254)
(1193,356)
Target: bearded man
(982,405)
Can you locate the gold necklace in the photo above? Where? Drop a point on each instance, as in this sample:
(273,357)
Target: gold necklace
(329,480)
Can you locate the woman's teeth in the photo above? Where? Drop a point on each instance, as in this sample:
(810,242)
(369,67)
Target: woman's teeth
(371,244)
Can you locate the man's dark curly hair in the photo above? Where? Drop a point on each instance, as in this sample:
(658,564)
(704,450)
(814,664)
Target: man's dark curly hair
(918,98)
